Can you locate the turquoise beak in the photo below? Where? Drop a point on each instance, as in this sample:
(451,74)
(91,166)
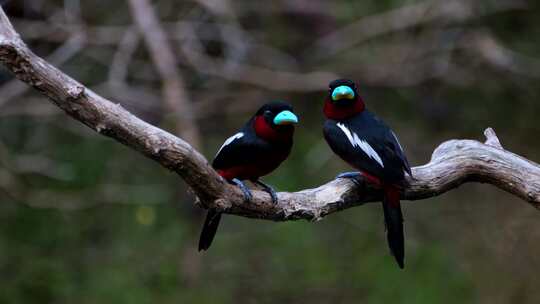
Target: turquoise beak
(285,118)
(342,92)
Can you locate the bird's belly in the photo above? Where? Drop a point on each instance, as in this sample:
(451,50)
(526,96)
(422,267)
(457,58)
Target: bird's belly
(251,171)
(378,176)
(243,172)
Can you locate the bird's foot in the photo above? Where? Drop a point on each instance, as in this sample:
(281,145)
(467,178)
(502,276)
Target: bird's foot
(268,189)
(245,190)
(349,175)
(360,177)
(355,177)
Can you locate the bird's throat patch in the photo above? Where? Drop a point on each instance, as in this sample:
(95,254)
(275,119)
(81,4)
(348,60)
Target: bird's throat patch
(336,112)
(265,131)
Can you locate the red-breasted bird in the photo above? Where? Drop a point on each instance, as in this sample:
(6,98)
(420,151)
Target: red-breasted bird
(367,144)
(257,149)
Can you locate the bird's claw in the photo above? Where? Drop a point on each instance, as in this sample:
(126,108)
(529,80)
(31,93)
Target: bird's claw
(245,190)
(349,175)
(355,177)
(268,189)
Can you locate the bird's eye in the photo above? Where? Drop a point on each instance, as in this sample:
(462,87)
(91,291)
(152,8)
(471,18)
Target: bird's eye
(267,113)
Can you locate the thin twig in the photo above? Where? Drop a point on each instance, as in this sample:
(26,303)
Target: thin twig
(174,92)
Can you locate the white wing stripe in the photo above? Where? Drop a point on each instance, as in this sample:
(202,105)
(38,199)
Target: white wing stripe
(397,140)
(347,133)
(362,144)
(366,147)
(229,140)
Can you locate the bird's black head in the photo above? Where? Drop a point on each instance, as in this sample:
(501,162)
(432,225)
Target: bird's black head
(275,118)
(343,100)
(277,114)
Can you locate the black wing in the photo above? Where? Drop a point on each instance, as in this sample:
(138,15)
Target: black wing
(240,149)
(400,153)
(367,144)
(390,142)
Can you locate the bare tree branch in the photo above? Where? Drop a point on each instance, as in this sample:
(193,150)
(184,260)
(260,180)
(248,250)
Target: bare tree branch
(454,11)
(453,163)
(61,55)
(248,59)
(174,92)
(122,58)
(494,53)
(259,76)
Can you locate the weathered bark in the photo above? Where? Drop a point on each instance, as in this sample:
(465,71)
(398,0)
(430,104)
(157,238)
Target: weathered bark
(453,163)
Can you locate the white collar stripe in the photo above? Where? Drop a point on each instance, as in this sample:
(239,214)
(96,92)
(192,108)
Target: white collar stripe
(362,144)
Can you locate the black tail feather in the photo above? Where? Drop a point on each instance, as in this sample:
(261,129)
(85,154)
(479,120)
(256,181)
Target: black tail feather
(393,219)
(209,229)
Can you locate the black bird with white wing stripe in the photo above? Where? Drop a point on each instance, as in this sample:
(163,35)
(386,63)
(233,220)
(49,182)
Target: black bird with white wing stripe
(257,149)
(367,144)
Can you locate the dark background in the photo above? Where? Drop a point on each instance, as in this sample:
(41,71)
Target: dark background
(86,220)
